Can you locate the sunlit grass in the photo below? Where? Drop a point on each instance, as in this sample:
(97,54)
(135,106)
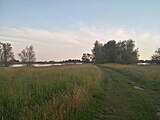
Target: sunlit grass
(59,92)
(79,92)
(144,76)
(146,72)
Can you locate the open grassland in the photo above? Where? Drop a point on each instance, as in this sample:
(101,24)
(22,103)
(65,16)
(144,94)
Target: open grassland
(80,92)
(57,93)
(147,78)
(145,72)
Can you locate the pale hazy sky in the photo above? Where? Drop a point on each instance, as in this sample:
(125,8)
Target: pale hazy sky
(63,29)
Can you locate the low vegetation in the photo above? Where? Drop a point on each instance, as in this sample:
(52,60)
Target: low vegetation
(122,100)
(59,93)
(81,92)
(147,78)
(145,72)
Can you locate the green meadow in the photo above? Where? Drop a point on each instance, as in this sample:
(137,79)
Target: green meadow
(80,92)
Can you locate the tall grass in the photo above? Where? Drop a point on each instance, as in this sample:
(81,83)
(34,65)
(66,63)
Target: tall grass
(145,72)
(58,93)
(145,76)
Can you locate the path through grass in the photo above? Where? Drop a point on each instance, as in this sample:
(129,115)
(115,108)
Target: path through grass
(80,92)
(122,101)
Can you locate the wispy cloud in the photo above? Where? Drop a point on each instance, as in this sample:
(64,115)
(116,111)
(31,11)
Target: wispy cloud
(71,44)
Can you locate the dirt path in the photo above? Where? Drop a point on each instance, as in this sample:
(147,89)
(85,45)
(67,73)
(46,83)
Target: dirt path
(121,101)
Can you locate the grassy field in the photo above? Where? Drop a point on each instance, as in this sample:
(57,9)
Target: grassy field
(146,77)
(58,93)
(80,92)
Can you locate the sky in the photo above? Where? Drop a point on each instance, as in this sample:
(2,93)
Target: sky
(63,29)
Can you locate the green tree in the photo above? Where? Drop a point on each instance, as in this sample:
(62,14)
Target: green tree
(6,53)
(156,56)
(126,52)
(27,55)
(97,52)
(87,58)
(109,52)
(123,52)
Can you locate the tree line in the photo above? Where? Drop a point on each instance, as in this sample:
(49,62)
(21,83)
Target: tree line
(27,55)
(123,52)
